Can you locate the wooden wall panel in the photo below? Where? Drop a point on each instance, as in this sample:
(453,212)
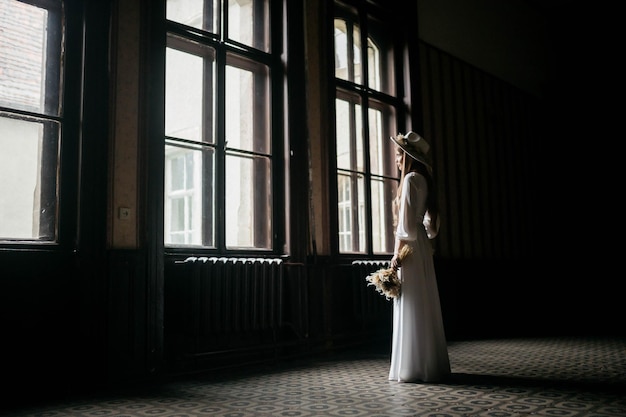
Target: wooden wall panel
(483,133)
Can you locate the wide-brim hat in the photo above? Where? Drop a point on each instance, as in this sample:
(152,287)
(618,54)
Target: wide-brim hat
(415,146)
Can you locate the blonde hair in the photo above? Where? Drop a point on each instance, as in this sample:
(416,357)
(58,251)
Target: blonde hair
(411,165)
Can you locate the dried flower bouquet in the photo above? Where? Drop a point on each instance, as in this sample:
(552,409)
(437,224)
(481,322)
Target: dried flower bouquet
(386,280)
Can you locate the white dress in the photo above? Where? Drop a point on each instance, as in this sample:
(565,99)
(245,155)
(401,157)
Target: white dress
(419,349)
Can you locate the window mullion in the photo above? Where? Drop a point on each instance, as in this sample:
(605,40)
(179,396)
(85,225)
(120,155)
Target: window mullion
(220,152)
(368,173)
(208,164)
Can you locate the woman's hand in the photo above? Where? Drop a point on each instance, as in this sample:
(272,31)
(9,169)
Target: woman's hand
(395,262)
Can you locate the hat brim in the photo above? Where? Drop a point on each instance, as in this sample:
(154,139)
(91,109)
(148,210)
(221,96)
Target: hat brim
(418,157)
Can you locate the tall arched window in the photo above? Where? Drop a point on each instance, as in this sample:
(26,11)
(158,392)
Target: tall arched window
(369,104)
(222,61)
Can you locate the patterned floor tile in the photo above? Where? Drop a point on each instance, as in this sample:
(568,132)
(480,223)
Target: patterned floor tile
(552,377)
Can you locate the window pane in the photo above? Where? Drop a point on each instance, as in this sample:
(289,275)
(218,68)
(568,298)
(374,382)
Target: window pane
(381,151)
(373,66)
(343,134)
(247,104)
(177,220)
(351,212)
(359,140)
(188,99)
(383,193)
(356,39)
(345,212)
(347,51)
(189,188)
(248,23)
(349,139)
(341,50)
(380,52)
(248,202)
(200,14)
(377,149)
(27,193)
(30,58)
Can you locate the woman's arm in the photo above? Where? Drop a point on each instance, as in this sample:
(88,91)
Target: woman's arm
(395,261)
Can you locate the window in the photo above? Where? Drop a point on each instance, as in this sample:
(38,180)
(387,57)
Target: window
(220,157)
(368,104)
(31,120)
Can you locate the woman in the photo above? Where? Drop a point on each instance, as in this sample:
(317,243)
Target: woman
(418,350)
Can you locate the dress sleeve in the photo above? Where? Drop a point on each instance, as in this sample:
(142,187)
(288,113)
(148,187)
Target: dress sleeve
(412,204)
(432,229)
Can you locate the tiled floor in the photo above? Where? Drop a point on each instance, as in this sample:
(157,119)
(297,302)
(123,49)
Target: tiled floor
(555,377)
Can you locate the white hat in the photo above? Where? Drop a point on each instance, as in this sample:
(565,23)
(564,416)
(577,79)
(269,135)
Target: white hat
(415,146)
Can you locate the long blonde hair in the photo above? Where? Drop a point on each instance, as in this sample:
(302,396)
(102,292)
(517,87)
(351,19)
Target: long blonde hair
(411,165)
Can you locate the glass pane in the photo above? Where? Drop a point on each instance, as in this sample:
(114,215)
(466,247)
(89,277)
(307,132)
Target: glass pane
(373,66)
(356,38)
(351,212)
(377,149)
(382,151)
(248,23)
(359,144)
(345,212)
(200,14)
(189,187)
(30,57)
(380,52)
(27,193)
(347,61)
(188,100)
(349,140)
(248,202)
(343,135)
(361,213)
(341,50)
(383,193)
(247,106)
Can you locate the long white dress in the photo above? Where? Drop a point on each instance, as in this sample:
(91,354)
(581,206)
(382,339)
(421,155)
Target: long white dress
(419,349)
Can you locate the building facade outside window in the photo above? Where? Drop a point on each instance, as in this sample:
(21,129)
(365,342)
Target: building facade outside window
(220,158)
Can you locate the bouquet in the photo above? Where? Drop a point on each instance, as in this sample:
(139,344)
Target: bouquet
(386,280)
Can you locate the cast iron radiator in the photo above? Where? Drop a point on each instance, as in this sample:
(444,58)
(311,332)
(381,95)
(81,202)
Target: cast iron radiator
(369,304)
(228,303)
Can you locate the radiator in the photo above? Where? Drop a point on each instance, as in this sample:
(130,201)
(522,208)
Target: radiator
(369,304)
(232,301)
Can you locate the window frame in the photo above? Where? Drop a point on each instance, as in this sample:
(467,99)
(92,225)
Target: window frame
(231,53)
(60,172)
(363,13)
